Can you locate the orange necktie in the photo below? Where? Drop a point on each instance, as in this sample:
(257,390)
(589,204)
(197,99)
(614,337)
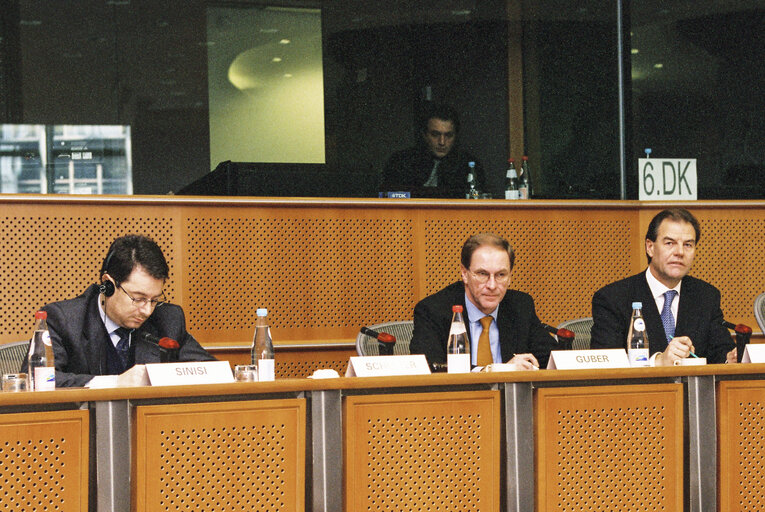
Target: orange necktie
(483,357)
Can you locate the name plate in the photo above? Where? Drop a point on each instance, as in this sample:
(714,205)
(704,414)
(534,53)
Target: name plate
(181,374)
(387,366)
(396,195)
(667,179)
(754,353)
(588,359)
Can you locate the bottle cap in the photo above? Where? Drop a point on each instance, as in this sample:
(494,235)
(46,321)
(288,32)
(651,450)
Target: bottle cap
(261,312)
(637,305)
(511,160)
(471,164)
(41,314)
(456,308)
(524,157)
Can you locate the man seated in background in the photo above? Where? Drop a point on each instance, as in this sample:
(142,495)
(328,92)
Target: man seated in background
(682,314)
(97,332)
(501,324)
(435,166)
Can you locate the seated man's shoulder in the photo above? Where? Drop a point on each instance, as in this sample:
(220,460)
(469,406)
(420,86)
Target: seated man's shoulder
(622,285)
(405,156)
(518,297)
(699,285)
(168,312)
(449,293)
(75,304)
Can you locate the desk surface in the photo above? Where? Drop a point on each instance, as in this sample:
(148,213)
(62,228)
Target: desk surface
(624,376)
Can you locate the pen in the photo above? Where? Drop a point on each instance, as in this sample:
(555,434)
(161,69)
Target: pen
(692,354)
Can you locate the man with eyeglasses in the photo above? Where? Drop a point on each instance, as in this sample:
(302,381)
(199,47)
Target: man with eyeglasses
(97,332)
(502,325)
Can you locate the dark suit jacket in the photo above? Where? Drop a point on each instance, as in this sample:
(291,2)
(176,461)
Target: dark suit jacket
(698,316)
(520,331)
(408,170)
(79,338)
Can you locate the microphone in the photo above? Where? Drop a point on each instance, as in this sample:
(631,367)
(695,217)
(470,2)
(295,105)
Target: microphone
(168,347)
(386,341)
(565,337)
(743,334)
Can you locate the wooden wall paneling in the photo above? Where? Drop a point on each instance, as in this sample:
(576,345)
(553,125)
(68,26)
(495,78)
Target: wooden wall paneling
(323,270)
(247,455)
(740,445)
(422,451)
(322,273)
(609,448)
(44,461)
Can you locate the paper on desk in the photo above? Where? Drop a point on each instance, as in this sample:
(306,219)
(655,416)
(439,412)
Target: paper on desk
(134,377)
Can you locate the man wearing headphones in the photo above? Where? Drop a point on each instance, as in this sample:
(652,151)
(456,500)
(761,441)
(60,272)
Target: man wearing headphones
(104,330)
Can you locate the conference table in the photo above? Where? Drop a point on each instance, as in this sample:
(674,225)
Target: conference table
(677,438)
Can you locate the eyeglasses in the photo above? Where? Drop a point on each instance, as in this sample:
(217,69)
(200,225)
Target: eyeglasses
(139,303)
(502,277)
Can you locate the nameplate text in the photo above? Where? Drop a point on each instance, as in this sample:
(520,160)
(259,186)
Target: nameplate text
(588,359)
(387,366)
(180,374)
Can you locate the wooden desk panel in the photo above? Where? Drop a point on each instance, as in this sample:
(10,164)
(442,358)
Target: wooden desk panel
(741,445)
(44,461)
(610,448)
(423,451)
(222,456)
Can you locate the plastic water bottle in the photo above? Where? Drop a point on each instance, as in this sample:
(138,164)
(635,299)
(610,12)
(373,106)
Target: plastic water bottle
(524,186)
(472,191)
(458,354)
(637,339)
(511,181)
(262,352)
(41,372)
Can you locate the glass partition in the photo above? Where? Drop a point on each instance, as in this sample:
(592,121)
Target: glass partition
(537,77)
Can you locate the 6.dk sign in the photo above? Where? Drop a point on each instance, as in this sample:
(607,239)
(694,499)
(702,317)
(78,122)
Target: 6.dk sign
(667,179)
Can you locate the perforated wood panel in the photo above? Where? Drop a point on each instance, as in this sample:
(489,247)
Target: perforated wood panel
(423,452)
(610,448)
(313,273)
(304,363)
(44,461)
(741,449)
(55,256)
(325,271)
(561,261)
(220,456)
(730,256)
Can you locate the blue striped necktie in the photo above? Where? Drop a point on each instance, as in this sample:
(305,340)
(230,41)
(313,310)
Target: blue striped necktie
(123,345)
(666,315)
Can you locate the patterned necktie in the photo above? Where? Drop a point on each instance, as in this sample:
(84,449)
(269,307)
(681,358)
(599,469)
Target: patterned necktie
(123,345)
(666,315)
(483,357)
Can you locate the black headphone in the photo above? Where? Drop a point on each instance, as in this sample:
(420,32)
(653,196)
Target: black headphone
(106,287)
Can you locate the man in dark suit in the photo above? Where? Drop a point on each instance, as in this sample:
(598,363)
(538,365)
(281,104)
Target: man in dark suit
(682,313)
(436,166)
(98,333)
(512,331)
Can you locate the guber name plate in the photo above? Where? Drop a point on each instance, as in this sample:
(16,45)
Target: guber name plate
(588,359)
(386,366)
(179,374)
